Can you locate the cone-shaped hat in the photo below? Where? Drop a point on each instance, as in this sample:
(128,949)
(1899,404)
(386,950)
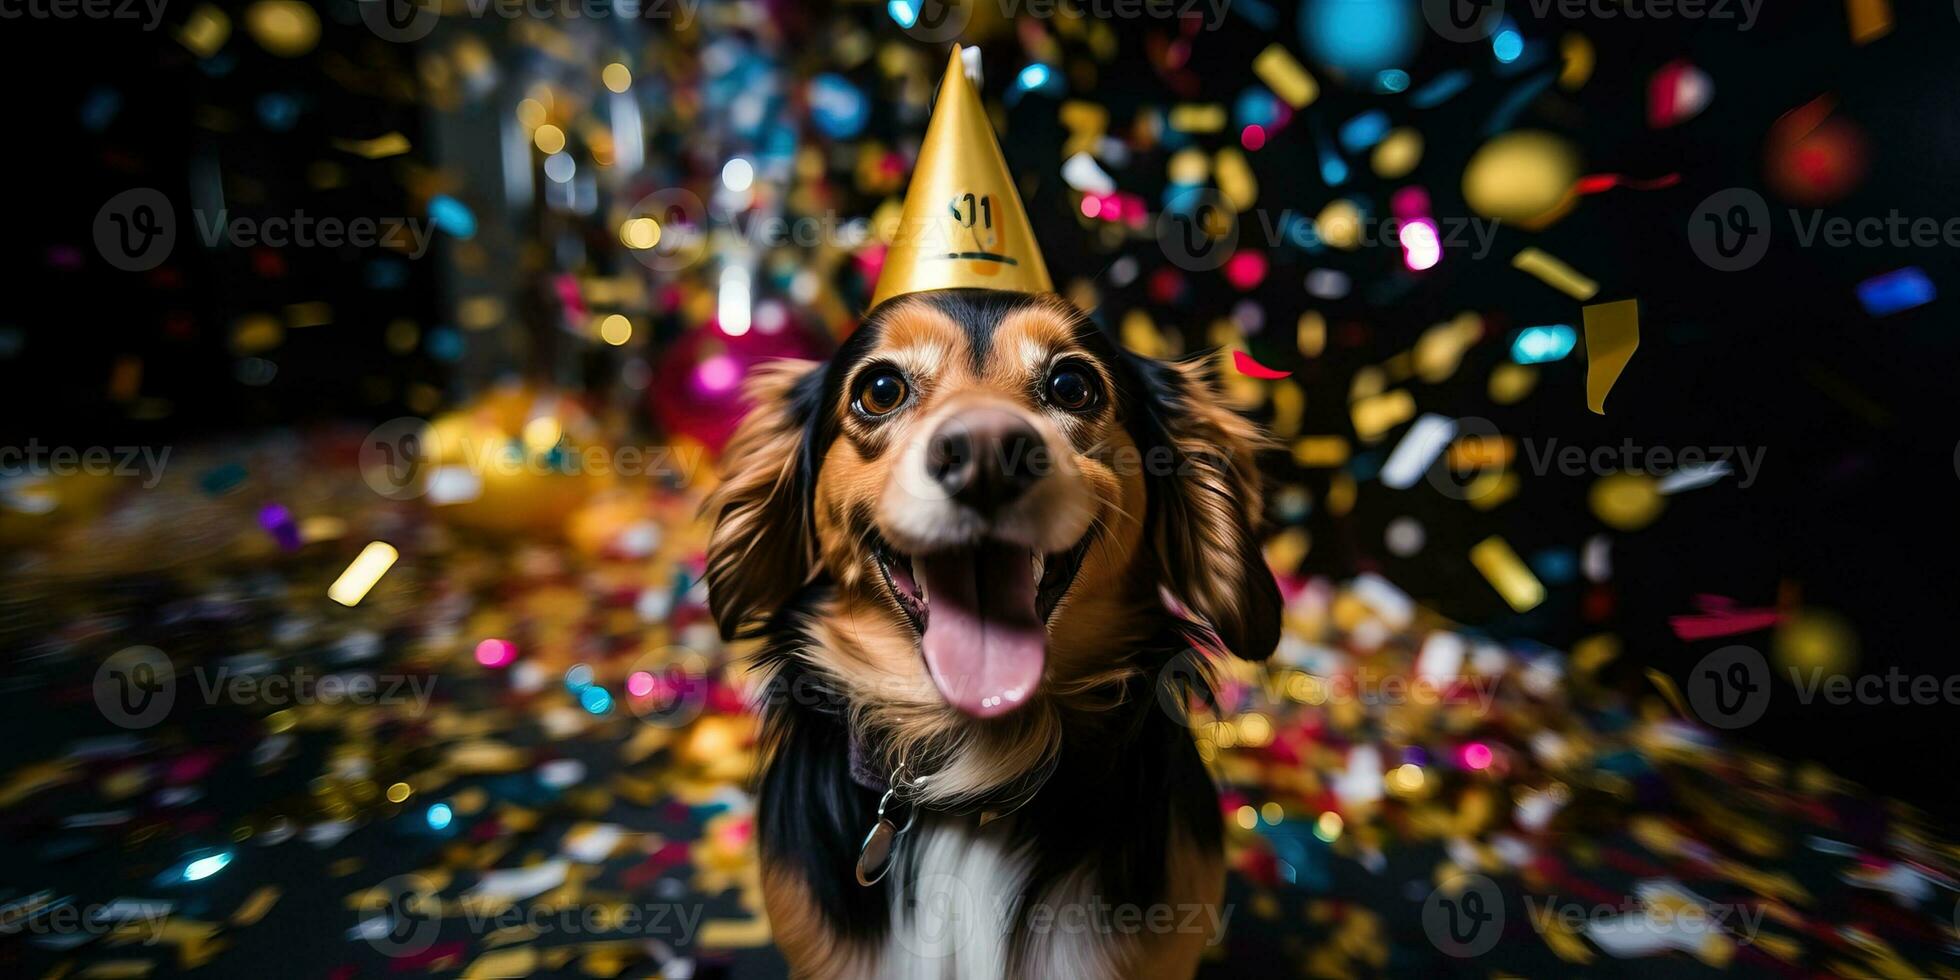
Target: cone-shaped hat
(963,224)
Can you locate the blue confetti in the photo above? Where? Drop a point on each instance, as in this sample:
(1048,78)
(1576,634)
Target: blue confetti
(1540,345)
(452,216)
(1902,289)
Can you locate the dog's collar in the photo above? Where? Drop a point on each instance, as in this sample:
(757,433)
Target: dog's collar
(865,762)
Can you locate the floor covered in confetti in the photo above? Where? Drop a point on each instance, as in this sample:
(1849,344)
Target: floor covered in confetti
(511,756)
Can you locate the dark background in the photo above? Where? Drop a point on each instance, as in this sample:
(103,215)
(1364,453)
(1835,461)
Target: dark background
(1854,506)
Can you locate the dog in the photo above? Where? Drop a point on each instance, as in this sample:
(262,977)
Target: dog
(977,550)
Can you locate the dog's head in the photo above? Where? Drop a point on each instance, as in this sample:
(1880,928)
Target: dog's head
(994,495)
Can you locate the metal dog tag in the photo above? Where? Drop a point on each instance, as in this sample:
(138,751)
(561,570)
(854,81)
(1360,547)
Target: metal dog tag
(876,857)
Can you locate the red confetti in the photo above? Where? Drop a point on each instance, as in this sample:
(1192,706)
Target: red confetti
(1253,369)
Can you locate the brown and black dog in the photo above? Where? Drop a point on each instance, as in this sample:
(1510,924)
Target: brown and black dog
(978,547)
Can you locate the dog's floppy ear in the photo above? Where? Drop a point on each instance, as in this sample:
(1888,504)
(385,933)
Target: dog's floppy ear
(1205,505)
(763,548)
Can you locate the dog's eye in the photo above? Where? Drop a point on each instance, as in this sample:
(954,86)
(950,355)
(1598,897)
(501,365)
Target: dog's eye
(1071,387)
(880,392)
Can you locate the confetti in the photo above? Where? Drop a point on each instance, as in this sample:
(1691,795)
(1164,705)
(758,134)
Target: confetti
(1612,335)
(1555,273)
(1506,573)
(1896,291)
(367,568)
(1244,364)
(1283,74)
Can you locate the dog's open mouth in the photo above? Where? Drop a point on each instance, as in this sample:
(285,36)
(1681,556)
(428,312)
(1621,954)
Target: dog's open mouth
(982,615)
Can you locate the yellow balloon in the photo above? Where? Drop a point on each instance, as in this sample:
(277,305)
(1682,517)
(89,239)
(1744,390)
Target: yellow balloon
(1524,176)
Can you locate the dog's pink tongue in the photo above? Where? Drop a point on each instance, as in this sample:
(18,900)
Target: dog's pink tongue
(983,642)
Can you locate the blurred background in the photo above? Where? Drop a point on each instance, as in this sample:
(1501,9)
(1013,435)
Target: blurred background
(365,361)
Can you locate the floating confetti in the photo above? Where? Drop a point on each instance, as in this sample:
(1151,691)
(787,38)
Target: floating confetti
(1555,273)
(367,568)
(1896,291)
(1244,364)
(1506,573)
(1612,335)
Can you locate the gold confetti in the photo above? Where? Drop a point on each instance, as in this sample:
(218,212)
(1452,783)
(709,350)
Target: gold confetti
(1555,273)
(378,148)
(1376,414)
(734,933)
(1320,451)
(255,906)
(1626,501)
(1870,19)
(1612,335)
(368,567)
(205,31)
(312,314)
(1198,118)
(1507,573)
(1577,54)
(1665,685)
(519,961)
(1283,74)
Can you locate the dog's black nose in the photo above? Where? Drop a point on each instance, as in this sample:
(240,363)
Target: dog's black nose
(987,458)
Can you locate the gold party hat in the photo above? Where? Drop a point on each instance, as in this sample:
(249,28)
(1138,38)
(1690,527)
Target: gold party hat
(963,224)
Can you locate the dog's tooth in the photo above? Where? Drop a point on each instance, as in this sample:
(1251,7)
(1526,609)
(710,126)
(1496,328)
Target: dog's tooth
(920,581)
(1040,563)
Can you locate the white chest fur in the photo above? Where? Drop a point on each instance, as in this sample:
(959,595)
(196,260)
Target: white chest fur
(954,919)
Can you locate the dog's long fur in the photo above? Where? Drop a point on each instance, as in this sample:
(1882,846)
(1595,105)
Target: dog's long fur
(1034,827)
